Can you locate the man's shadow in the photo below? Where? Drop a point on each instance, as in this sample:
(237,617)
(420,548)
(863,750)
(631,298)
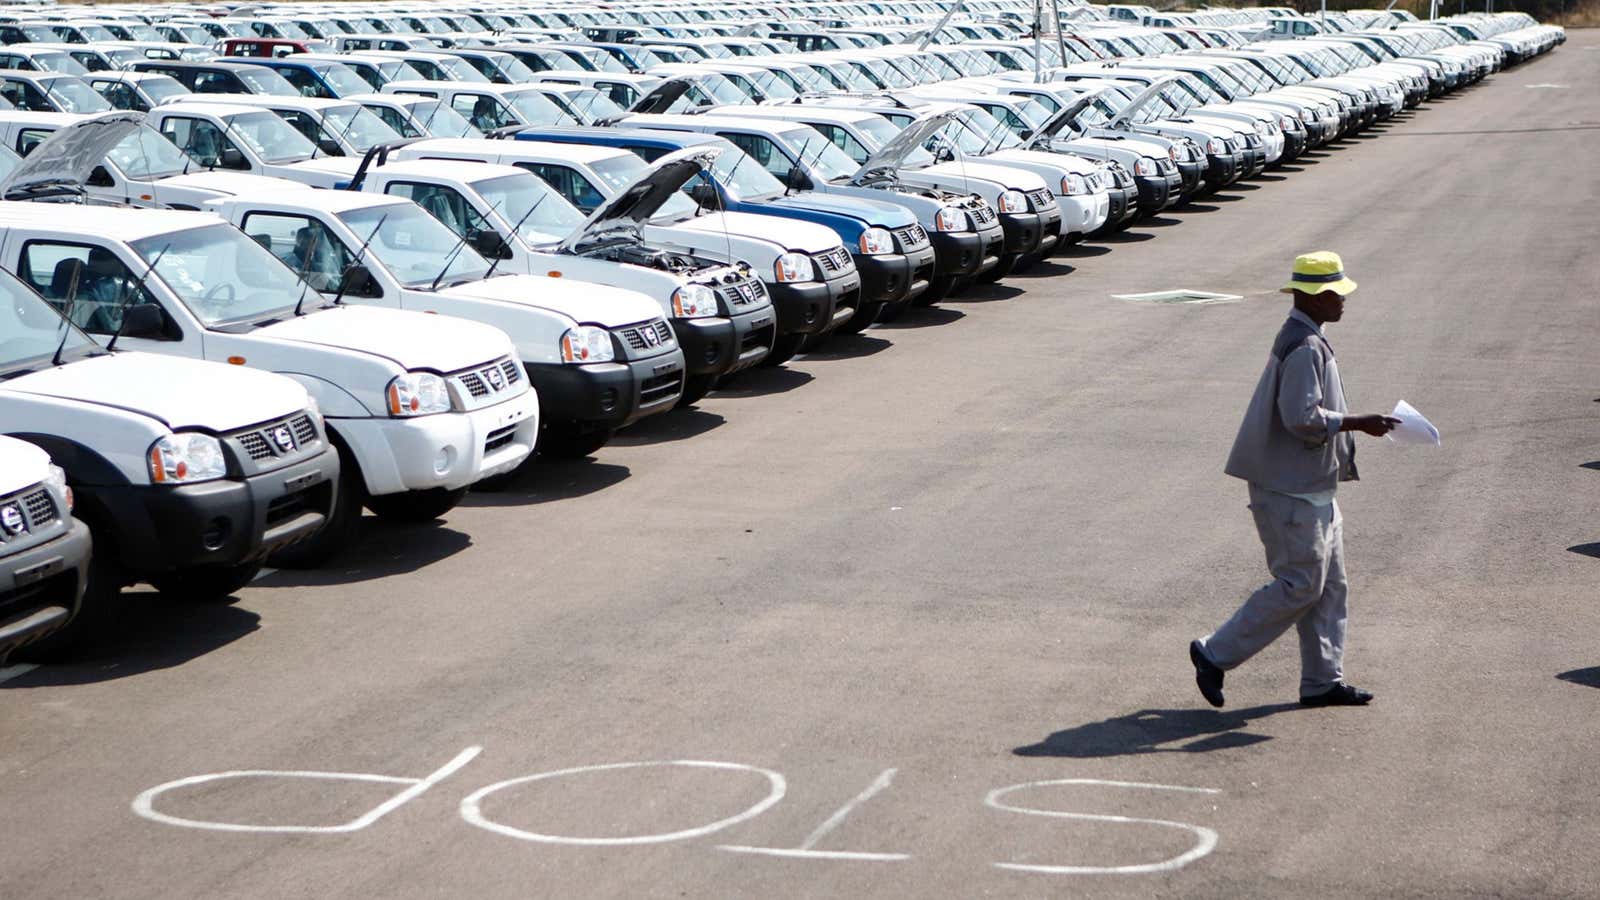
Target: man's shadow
(1157,731)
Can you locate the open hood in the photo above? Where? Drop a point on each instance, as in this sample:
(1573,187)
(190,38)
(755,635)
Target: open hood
(623,214)
(890,156)
(1141,100)
(662,95)
(62,162)
(1063,118)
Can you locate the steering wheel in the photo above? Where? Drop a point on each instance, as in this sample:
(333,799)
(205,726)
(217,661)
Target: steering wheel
(211,296)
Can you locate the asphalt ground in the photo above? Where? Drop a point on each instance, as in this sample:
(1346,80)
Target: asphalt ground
(957,555)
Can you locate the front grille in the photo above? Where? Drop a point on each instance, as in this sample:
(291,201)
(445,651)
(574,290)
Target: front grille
(26,513)
(288,506)
(659,388)
(490,378)
(911,237)
(983,215)
(284,437)
(835,260)
(41,510)
(1042,199)
(499,438)
(648,336)
(742,293)
(756,337)
(1166,166)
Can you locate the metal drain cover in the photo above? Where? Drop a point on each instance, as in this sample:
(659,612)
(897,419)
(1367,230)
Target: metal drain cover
(1182,295)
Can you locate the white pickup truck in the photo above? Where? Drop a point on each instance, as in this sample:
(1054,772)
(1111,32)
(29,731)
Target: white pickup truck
(810,276)
(600,357)
(44,551)
(240,138)
(187,473)
(720,311)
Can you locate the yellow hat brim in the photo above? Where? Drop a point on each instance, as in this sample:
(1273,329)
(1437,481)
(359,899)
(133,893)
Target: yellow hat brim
(1343,287)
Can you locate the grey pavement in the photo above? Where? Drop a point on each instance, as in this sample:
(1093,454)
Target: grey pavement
(974,558)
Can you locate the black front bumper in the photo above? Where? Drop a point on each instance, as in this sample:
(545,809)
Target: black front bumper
(1023,232)
(719,345)
(1193,173)
(1049,229)
(160,528)
(42,587)
(815,307)
(608,394)
(1221,170)
(895,277)
(1157,192)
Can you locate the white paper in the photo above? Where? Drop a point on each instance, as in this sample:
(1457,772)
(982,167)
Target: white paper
(1414,427)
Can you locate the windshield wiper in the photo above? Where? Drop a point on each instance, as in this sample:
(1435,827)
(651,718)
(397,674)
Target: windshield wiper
(305,268)
(515,231)
(455,251)
(344,279)
(132,294)
(66,317)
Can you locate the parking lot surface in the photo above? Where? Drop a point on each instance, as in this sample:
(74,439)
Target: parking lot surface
(924,600)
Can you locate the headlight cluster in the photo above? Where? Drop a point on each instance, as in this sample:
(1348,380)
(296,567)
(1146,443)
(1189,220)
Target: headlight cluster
(875,241)
(418,394)
(1144,166)
(1216,147)
(186,457)
(793,267)
(1012,202)
(1072,185)
(58,479)
(694,301)
(587,344)
(948,218)
(1286,123)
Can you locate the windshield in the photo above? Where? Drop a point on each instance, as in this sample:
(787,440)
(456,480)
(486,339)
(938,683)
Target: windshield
(818,154)
(721,89)
(262,80)
(545,216)
(343,81)
(537,109)
(358,127)
(459,69)
(96,33)
(438,119)
(514,68)
(74,95)
(618,172)
(589,105)
(744,178)
(161,88)
(59,62)
(146,155)
(272,139)
(31,329)
(772,86)
(221,275)
(413,245)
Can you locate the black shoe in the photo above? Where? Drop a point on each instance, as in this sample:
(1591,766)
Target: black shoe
(1206,675)
(1340,695)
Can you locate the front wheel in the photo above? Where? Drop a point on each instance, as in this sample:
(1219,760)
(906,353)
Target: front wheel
(572,440)
(415,506)
(338,531)
(866,314)
(206,584)
(784,347)
(1008,264)
(695,388)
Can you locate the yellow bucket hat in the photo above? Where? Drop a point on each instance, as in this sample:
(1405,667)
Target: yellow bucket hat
(1318,272)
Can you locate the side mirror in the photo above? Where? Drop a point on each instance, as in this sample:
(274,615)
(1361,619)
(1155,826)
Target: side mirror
(144,320)
(489,244)
(798,180)
(232,158)
(329,147)
(705,196)
(358,282)
(943,153)
(100,178)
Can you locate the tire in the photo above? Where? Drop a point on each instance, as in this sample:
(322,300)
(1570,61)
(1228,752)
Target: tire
(206,584)
(938,289)
(695,388)
(784,347)
(892,311)
(415,506)
(572,440)
(98,616)
(1006,266)
(866,314)
(341,528)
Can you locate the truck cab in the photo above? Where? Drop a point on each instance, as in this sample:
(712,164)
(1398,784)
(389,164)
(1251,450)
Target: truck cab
(809,275)
(489,106)
(717,307)
(44,551)
(239,138)
(335,127)
(599,357)
(188,474)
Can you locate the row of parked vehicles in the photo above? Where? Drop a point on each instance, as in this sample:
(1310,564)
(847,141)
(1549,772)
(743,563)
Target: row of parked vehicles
(405,248)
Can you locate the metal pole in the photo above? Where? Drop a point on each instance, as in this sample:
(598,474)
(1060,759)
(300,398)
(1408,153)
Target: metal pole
(1061,39)
(1038,39)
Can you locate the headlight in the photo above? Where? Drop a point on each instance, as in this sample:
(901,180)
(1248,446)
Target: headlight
(948,218)
(1286,123)
(1263,129)
(186,457)
(694,301)
(1144,166)
(58,478)
(876,240)
(792,267)
(587,344)
(1074,184)
(1216,147)
(1012,202)
(418,394)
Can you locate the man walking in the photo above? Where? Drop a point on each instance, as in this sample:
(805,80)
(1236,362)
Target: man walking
(1294,447)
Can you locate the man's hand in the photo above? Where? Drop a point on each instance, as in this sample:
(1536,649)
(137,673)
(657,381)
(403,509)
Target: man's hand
(1375,425)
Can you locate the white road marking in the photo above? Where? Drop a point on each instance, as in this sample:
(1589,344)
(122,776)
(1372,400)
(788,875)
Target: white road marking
(472,805)
(144,804)
(10,672)
(804,851)
(1206,839)
(1560,87)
